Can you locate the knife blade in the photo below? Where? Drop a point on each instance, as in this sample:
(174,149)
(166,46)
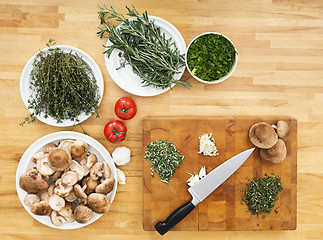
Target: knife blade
(203,188)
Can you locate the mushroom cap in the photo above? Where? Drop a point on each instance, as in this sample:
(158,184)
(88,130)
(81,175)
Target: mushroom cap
(83,163)
(76,167)
(70,178)
(79,193)
(91,160)
(31,199)
(43,166)
(71,197)
(67,212)
(59,159)
(106,186)
(275,154)
(91,185)
(43,195)
(42,208)
(49,147)
(82,214)
(283,129)
(57,219)
(56,202)
(99,202)
(32,182)
(79,149)
(36,156)
(263,135)
(66,144)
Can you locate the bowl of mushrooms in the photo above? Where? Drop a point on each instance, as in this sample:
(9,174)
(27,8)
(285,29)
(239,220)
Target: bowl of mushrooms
(66,180)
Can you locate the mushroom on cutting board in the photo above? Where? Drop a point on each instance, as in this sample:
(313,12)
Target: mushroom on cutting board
(32,182)
(31,199)
(41,208)
(283,129)
(99,202)
(56,202)
(263,135)
(82,214)
(106,186)
(59,159)
(275,154)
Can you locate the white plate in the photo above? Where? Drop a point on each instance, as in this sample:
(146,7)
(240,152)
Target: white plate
(129,81)
(26,163)
(26,92)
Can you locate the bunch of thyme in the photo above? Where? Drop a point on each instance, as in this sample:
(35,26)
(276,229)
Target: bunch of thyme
(63,86)
(164,158)
(152,56)
(260,194)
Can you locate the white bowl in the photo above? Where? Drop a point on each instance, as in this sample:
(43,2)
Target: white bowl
(222,78)
(26,92)
(26,164)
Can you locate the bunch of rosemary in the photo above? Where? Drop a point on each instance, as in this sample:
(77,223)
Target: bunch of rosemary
(164,159)
(63,86)
(153,57)
(260,194)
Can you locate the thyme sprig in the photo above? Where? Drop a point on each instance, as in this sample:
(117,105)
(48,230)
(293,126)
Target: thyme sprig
(260,194)
(152,56)
(63,86)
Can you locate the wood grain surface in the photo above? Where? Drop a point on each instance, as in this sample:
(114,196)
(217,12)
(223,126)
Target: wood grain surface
(222,210)
(279,73)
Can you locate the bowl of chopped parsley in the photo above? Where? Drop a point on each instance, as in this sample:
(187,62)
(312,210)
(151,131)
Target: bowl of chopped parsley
(211,57)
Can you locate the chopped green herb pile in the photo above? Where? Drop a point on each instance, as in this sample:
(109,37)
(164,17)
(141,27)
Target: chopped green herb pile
(210,57)
(260,194)
(63,86)
(164,158)
(152,56)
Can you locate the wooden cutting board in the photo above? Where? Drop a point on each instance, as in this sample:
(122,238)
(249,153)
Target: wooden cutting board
(222,209)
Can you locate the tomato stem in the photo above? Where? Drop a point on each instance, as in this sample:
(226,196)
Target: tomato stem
(124,110)
(115,133)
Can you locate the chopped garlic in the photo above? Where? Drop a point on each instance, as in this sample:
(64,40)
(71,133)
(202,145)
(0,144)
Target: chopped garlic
(196,177)
(121,177)
(121,155)
(207,145)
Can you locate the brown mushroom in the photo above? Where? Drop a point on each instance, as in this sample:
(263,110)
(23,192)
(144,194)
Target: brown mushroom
(79,149)
(50,189)
(275,154)
(57,175)
(91,185)
(36,156)
(91,160)
(41,208)
(62,189)
(49,147)
(31,199)
(83,163)
(79,192)
(99,202)
(283,129)
(59,159)
(82,214)
(70,178)
(43,195)
(263,135)
(71,197)
(32,182)
(76,167)
(106,186)
(100,169)
(67,212)
(43,166)
(57,219)
(56,202)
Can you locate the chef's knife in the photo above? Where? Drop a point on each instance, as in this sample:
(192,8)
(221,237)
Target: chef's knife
(203,188)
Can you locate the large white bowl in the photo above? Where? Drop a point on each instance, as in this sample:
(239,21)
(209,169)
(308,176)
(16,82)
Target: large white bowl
(26,92)
(26,164)
(129,81)
(222,78)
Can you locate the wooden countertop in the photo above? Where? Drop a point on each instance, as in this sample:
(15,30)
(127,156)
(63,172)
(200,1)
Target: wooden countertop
(279,73)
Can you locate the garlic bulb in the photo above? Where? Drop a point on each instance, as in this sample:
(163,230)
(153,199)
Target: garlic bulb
(121,177)
(121,155)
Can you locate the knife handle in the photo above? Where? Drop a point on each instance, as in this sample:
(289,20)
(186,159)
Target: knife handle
(174,218)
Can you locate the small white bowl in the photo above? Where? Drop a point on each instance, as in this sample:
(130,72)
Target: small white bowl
(222,78)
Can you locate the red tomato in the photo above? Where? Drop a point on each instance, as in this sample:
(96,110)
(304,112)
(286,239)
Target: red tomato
(115,131)
(125,108)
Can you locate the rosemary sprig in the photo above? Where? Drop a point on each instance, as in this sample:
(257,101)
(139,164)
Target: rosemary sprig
(63,86)
(152,56)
